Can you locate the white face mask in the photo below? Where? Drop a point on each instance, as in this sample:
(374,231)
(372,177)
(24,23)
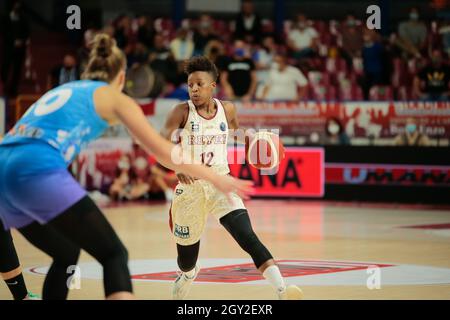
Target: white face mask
(140,163)
(333,128)
(123,165)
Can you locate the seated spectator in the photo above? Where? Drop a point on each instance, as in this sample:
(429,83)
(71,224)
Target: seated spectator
(163,64)
(182,47)
(285,83)
(139,55)
(238,77)
(373,62)
(432,83)
(335,133)
(352,40)
(122,31)
(145,32)
(412,35)
(248,24)
(203,34)
(302,39)
(120,187)
(264,57)
(445,32)
(215,52)
(411,136)
(63,73)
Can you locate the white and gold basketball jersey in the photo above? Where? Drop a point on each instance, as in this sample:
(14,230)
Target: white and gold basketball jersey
(205,140)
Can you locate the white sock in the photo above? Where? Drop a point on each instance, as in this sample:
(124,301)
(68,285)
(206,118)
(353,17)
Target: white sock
(190,273)
(273,275)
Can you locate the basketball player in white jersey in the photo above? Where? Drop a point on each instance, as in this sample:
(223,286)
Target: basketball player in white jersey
(201,126)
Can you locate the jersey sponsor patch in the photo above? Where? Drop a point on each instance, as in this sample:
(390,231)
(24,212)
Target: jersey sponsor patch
(181,231)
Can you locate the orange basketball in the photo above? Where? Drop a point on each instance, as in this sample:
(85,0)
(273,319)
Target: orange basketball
(264,150)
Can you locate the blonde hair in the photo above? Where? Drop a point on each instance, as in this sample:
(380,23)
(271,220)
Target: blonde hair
(105,59)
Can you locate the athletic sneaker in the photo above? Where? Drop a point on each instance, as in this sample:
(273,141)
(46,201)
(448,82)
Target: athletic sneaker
(32,296)
(291,293)
(182,284)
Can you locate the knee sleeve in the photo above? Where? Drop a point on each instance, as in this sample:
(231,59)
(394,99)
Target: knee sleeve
(239,226)
(187,256)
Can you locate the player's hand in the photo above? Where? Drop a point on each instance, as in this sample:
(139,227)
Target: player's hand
(185,179)
(228,184)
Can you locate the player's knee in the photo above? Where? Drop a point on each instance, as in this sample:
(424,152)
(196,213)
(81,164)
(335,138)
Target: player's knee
(187,256)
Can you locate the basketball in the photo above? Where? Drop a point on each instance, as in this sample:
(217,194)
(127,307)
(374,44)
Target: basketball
(264,150)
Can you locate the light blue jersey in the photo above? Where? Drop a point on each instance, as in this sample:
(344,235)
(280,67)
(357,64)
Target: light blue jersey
(64,118)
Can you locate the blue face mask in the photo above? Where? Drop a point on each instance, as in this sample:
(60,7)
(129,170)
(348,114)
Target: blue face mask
(239,52)
(411,128)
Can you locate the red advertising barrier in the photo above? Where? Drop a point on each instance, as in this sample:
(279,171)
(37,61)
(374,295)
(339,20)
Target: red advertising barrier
(387,174)
(300,174)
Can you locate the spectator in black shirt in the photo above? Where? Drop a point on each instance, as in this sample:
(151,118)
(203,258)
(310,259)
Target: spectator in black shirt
(432,83)
(63,73)
(203,34)
(239,76)
(248,24)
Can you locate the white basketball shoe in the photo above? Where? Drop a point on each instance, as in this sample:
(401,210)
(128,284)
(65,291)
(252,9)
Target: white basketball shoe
(291,293)
(182,284)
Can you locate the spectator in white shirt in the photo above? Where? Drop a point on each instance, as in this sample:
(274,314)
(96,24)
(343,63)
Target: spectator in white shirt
(302,39)
(285,83)
(182,47)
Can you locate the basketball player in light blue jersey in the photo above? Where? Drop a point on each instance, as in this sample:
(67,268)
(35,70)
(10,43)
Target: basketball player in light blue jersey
(40,198)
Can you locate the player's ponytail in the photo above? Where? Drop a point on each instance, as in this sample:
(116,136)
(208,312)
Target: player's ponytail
(105,59)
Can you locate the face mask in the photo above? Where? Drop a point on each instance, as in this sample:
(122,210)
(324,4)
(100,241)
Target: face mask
(140,163)
(123,165)
(414,16)
(351,23)
(275,65)
(411,128)
(333,128)
(239,52)
(301,25)
(205,24)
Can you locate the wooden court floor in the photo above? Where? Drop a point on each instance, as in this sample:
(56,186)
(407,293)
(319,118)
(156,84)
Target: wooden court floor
(331,250)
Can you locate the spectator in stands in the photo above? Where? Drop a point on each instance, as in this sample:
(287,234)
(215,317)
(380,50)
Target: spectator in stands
(182,47)
(264,57)
(162,61)
(238,77)
(302,39)
(412,35)
(203,34)
(215,51)
(351,39)
(145,32)
(411,136)
(138,55)
(15,41)
(373,62)
(63,73)
(285,83)
(248,23)
(445,32)
(335,133)
(122,31)
(432,83)
(120,187)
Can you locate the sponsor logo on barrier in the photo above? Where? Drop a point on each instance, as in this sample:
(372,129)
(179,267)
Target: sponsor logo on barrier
(387,174)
